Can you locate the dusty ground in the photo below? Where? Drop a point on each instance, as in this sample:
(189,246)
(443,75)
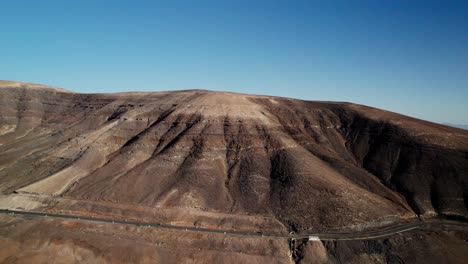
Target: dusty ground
(120,211)
(32,240)
(62,241)
(412,247)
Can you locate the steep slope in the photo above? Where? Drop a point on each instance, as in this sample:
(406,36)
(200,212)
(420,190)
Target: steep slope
(311,165)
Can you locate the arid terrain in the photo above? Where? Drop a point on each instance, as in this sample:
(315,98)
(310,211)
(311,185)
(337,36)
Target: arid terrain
(267,167)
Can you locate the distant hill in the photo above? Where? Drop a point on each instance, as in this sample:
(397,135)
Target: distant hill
(231,153)
(222,161)
(457,125)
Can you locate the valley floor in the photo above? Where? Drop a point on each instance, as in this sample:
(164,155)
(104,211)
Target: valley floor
(40,232)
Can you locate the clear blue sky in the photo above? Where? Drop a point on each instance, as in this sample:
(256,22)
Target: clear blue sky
(406,56)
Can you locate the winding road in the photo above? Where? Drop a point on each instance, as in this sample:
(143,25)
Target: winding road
(358,235)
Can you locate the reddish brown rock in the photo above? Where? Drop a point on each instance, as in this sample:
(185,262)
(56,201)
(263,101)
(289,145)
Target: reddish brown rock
(308,164)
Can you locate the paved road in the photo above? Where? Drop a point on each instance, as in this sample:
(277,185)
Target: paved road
(359,235)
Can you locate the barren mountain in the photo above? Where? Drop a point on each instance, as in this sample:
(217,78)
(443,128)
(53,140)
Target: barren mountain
(225,159)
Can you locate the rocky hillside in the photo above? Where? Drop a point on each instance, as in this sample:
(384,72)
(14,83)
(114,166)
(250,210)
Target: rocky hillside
(311,165)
